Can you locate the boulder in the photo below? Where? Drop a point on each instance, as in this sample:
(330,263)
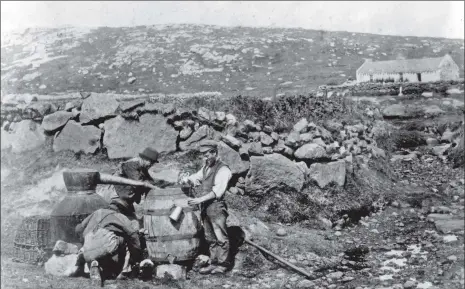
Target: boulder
(206,114)
(449,225)
(250,125)
(231,119)
(433,110)
(125,106)
(125,139)
(25,135)
(220,116)
(319,141)
(231,141)
(440,150)
(427,94)
(447,136)
(77,103)
(255,149)
(98,107)
(77,138)
(254,136)
(325,174)
(267,150)
(306,137)
(232,158)
(432,141)
(36,110)
(293,140)
(333,126)
(272,172)
(64,266)
(266,139)
(311,152)
(301,126)
(395,111)
(56,121)
(185,133)
(174,271)
(204,132)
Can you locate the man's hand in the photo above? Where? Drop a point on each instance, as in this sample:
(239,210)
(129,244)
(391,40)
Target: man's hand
(193,202)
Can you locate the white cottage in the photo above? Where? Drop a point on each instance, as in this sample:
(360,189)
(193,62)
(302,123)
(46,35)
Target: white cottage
(411,70)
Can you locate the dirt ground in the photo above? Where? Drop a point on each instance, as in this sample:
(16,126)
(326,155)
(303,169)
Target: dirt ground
(396,247)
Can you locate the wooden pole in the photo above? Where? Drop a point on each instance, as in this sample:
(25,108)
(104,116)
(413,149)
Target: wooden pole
(280,259)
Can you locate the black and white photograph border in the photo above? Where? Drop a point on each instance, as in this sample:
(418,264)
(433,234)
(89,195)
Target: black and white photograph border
(232,144)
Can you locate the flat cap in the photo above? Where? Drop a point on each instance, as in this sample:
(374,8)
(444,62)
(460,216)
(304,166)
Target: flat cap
(149,154)
(207,145)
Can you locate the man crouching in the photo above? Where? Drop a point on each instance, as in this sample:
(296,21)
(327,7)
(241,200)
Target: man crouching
(107,233)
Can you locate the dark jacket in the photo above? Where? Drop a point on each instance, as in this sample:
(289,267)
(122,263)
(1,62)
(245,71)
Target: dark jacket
(131,169)
(113,219)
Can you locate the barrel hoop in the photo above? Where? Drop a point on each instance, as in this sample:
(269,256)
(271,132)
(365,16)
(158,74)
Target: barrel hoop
(78,191)
(167,212)
(171,238)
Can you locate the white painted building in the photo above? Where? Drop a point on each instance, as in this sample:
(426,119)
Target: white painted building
(411,70)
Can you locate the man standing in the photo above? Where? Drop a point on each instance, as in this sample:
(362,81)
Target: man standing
(213,179)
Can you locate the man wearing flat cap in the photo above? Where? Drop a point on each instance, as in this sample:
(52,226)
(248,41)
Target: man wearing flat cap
(212,179)
(124,197)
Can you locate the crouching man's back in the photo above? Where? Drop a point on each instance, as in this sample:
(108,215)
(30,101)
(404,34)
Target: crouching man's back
(106,233)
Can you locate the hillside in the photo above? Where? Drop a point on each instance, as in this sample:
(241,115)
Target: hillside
(191,58)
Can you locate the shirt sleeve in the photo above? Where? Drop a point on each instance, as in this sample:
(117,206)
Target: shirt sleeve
(221,181)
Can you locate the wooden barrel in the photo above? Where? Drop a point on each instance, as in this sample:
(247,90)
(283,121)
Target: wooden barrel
(165,237)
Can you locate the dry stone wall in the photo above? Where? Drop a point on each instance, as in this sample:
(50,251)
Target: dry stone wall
(259,157)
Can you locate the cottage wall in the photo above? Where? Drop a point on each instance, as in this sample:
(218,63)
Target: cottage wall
(448,69)
(410,77)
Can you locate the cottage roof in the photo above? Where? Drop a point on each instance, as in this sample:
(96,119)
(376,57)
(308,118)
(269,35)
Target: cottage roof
(398,66)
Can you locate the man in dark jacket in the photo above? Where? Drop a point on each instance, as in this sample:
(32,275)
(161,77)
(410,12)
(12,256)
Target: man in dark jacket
(136,169)
(107,234)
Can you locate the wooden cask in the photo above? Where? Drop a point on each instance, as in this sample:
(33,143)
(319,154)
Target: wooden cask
(165,237)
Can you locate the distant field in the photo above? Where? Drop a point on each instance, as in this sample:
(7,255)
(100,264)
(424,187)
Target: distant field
(190,58)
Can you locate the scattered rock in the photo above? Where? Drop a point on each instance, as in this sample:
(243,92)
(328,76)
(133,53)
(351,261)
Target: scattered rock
(56,121)
(77,138)
(231,141)
(281,232)
(266,139)
(300,126)
(185,133)
(306,284)
(395,111)
(325,174)
(255,149)
(335,275)
(204,132)
(131,80)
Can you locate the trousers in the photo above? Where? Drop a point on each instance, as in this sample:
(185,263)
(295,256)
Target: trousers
(214,217)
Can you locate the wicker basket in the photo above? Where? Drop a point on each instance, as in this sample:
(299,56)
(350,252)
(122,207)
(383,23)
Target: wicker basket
(31,240)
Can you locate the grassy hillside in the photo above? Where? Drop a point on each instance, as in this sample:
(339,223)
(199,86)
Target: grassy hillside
(193,58)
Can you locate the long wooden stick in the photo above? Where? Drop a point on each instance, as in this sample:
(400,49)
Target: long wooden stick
(280,259)
(110,179)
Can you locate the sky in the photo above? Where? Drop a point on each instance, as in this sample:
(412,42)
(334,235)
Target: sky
(416,18)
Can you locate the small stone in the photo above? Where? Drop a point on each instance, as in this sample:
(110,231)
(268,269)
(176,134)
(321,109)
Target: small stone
(449,238)
(306,284)
(410,284)
(347,279)
(452,258)
(281,232)
(395,204)
(338,233)
(335,275)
